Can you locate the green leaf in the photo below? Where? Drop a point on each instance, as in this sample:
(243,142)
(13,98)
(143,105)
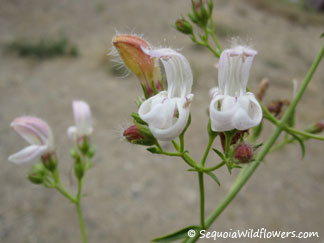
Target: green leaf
(219,153)
(180,234)
(236,166)
(214,177)
(301,143)
(255,147)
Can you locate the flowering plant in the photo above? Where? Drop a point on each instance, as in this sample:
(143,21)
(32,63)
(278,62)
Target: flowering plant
(235,115)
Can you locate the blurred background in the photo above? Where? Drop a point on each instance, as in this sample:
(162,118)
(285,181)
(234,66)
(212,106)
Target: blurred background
(55,51)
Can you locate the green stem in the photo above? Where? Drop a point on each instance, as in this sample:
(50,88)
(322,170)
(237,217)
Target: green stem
(79,211)
(305,134)
(281,144)
(64,192)
(202,199)
(209,145)
(214,167)
(60,188)
(250,170)
(240,183)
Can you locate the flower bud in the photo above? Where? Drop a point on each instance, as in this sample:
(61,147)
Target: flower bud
(238,135)
(275,107)
(37,174)
(316,127)
(138,134)
(147,70)
(184,26)
(49,160)
(262,89)
(243,153)
(83,124)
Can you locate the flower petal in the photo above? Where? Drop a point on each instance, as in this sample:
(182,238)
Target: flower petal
(158,111)
(248,114)
(222,118)
(82,117)
(33,130)
(28,154)
(234,69)
(175,129)
(72,132)
(178,71)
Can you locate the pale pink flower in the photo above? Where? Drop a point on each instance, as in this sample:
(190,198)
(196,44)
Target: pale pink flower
(37,133)
(82,118)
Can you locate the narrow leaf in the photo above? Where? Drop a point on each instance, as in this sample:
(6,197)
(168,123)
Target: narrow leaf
(214,177)
(180,234)
(301,143)
(219,153)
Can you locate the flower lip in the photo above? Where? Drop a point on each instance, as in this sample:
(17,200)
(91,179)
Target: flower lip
(241,51)
(37,133)
(33,130)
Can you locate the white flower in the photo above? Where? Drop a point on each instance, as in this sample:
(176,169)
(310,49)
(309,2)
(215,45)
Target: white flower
(167,112)
(37,133)
(82,117)
(232,107)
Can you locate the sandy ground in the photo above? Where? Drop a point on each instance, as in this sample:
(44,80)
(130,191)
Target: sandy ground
(131,195)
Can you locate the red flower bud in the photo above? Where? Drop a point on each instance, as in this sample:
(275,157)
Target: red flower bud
(316,128)
(131,133)
(145,67)
(238,135)
(138,134)
(243,153)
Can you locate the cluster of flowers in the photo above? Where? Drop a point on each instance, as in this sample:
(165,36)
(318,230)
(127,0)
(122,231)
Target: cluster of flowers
(166,112)
(41,139)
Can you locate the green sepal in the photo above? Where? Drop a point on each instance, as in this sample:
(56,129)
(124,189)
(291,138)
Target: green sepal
(153,150)
(256,131)
(211,133)
(214,177)
(145,92)
(49,162)
(180,234)
(79,169)
(74,153)
(91,151)
(137,119)
(187,125)
(193,18)
(210,4)
(184,26)
(37,174)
